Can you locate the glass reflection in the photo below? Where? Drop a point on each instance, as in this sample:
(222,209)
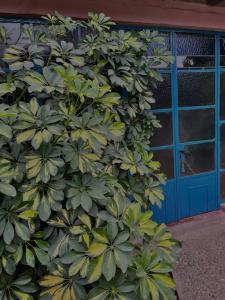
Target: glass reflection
(162,93)
(165,157)
(164,135)
(196,125)
(197,158)
(195,50)
(196,88)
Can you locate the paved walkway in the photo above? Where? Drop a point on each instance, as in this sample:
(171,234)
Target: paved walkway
(200,274)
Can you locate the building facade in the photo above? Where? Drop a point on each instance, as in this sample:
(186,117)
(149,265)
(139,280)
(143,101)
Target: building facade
(190,102)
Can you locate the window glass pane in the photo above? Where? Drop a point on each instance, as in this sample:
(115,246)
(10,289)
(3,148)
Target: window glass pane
(16,31)
(166,37)
(162,93)
(191,61)
(16,35)
(197,159)
(222,96)
(196,89)
(222,186)
(166,45)
(163,136)
(222,146)
(196,44)
(195,50)
(165,157)
(196,125)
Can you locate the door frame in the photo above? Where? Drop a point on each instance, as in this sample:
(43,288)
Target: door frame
(160,215)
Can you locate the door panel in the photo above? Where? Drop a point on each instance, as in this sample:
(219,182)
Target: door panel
(197,194)
(168,213)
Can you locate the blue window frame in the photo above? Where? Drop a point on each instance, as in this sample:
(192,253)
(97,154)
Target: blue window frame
(210,66)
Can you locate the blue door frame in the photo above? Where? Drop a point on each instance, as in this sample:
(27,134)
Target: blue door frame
(176,189)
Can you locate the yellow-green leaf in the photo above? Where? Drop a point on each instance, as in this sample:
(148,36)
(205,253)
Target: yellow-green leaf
(50,280)
(25,136)
(95,269)
(96,249)
(28,214)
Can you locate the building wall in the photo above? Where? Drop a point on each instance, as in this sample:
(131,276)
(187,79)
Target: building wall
(164,13)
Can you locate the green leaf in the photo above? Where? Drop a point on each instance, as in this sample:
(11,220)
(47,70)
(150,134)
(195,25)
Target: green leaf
(77,229)
(9,265)
(96,249)
(34,106)
(109,99)
(95,269)
(37,140)
(8,234)
(23,280)
(109,269)
(22,231)
(77,61)
(25,136)
(6,88)
(117,128)
(51,280)
(44,209)
(122,260)
(100,235)
(98,295)
(54,249)
(121,237)
(22,295)
(30,259)
(166,280)
(28,214)
(5,130)
(77,265)
(144,288)
(7,189)
(18,254)
(42,256)
(153,289)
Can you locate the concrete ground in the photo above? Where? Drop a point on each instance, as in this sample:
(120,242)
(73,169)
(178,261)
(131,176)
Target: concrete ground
(200,273)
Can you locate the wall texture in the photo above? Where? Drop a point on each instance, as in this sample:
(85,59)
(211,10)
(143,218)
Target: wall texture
(165,13)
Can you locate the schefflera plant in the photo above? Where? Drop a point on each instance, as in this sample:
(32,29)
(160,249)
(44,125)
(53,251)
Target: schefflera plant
(77,175)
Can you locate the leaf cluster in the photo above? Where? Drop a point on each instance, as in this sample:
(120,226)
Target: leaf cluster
(77,173)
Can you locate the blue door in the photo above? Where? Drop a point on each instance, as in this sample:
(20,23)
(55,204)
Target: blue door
(187,145)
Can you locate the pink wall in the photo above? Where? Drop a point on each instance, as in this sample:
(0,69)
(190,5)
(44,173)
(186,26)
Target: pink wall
(172,13)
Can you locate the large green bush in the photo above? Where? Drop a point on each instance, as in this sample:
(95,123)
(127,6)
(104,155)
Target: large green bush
(77,174)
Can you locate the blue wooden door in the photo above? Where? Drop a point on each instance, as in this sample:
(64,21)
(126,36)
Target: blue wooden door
(187,144)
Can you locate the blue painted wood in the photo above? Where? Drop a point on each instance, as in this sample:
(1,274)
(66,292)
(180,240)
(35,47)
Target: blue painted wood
(168,213)
(197,195)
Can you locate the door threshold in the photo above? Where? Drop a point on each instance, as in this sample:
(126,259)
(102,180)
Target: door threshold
(219,211)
